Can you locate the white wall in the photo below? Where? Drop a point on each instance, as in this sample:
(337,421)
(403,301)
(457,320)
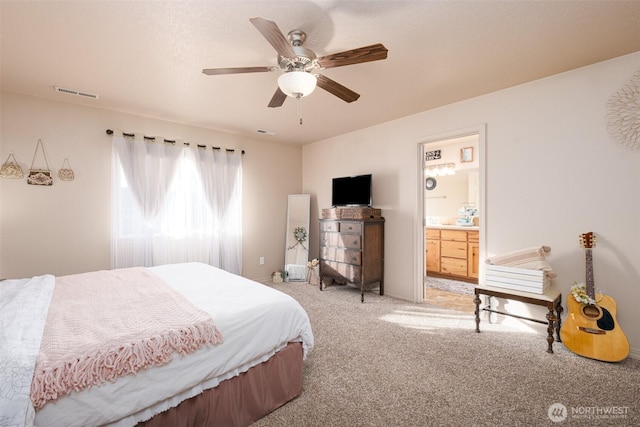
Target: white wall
(552,173)
(65,228)
(450,194)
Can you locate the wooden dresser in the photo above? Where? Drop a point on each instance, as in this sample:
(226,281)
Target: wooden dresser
(452,253)
(352,252)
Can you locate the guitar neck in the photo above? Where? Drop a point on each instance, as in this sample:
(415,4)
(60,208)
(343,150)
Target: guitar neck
(590,288)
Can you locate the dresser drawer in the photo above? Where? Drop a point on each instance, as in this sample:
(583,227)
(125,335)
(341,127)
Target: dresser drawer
(349,241)
(473,236)
(350,227)
(340,271)
(453,249)
(324,239)
(341,255)
(329,226)
(453,266)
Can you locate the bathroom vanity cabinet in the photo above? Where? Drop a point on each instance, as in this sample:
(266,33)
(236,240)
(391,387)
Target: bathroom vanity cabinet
(452,252)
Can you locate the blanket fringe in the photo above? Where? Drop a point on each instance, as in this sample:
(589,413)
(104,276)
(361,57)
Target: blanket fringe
(101,367)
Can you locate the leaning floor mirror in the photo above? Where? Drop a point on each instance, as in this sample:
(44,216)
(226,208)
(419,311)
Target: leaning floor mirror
(296,254)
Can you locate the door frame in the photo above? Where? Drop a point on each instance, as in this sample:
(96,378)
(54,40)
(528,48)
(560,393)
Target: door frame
(481,131)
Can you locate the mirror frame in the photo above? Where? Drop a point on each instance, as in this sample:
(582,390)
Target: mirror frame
(296,254)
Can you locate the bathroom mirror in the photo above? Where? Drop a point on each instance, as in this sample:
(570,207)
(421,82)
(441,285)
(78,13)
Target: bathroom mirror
(296,253)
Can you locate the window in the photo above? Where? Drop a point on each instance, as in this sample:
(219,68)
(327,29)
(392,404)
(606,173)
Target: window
(164,211)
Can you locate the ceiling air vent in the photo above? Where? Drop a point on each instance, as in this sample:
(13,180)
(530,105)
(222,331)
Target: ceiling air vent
(76,92)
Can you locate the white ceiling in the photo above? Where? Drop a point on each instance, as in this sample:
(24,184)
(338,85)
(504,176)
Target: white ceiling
(146,57)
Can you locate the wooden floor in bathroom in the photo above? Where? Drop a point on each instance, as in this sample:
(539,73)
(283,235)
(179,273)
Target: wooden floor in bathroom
(450,300)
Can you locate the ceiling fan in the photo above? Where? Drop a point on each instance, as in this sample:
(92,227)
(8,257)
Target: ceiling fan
(298,63)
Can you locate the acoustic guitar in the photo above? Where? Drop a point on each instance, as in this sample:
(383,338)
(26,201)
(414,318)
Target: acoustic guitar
(591,329)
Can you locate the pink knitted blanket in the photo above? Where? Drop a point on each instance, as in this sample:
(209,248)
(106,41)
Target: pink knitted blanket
(107,324)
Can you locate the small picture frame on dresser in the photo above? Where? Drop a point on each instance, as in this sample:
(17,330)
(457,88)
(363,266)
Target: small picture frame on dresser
(466,155)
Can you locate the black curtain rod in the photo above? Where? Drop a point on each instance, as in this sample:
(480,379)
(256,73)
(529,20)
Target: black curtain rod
(170,141)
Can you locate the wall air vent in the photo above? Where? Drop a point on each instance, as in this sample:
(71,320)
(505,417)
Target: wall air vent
(76,92)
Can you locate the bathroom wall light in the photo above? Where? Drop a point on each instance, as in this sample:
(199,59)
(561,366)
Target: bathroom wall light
(450,169)
(441,169)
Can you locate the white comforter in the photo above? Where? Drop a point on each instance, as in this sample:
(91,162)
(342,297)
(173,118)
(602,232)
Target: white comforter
(24,305)
(255,321)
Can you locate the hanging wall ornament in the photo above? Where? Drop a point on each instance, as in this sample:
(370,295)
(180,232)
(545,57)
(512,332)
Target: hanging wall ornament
(300,234)
(66,173)
(623,114)
(39,176)
(11,168)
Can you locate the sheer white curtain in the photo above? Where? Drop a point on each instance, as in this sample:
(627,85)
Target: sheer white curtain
(171,204)
(221,176)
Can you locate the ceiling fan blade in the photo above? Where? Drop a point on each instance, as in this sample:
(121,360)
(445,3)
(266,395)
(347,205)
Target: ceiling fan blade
(278,99)
(374,52)
(337,89)
(274,36)
(237,70)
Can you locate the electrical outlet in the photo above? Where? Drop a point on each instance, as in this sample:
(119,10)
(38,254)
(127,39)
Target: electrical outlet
(261,260)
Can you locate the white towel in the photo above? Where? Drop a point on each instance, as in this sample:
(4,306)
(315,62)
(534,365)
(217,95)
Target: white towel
(534,258)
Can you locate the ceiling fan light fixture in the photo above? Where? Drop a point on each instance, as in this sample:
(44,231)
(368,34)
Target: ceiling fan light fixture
(297,83)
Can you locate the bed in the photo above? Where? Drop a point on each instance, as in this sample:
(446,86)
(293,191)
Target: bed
(253,368)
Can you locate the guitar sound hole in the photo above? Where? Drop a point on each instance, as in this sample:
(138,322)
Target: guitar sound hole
(591,312)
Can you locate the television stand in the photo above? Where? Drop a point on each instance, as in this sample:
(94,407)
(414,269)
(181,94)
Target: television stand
(352,250)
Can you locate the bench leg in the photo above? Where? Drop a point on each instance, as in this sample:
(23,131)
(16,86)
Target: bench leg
(551,320)
(476,301)
(559,310)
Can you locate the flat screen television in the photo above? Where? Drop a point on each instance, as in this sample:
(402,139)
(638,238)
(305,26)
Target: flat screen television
(351,191)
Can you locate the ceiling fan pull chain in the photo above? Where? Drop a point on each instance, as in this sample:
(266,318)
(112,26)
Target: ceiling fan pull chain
(299,108)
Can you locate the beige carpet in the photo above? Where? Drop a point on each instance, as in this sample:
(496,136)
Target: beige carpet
(391,363)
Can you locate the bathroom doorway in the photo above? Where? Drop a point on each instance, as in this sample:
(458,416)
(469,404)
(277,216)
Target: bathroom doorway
(452,208)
